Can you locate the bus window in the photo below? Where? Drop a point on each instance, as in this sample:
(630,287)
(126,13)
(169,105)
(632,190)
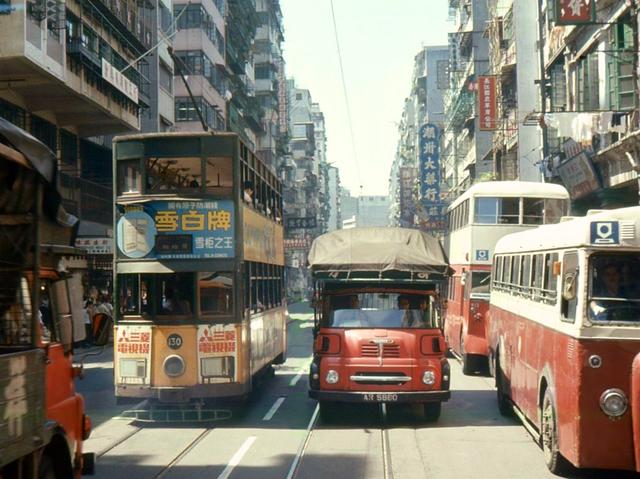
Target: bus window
(173,174)
(129,179)
(570,283)
(532,211)
(174,294)
(554,209)
(549,286)
(497,210)
(129,297)
(515,272)
(219,175)
(538,272)
(614,293)
(216,293)
(479,284)
(526,272)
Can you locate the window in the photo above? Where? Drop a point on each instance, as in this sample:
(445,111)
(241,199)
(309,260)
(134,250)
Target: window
(497,210)
(171,174)
(587,82)
(549,285)
(129,178)
(538,272)
(506,270)
(216,293)
(558,79)
(265,284)
(173,294)
(515,271)
(165,77)
(620,65)
(613,291)
(526,272)
(68,149)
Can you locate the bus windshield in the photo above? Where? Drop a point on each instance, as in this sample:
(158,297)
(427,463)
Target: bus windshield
(379,310)
(614,294)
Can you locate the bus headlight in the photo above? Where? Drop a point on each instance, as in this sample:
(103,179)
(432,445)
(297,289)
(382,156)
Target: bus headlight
(332,377)
(613,402)
(173,366)
(429,378)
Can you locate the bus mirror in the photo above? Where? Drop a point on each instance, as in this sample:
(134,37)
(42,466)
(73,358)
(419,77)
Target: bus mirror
(463,278)
(569,286)
(101,327)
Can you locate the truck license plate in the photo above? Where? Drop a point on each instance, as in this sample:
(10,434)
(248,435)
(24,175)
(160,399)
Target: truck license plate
(381,397)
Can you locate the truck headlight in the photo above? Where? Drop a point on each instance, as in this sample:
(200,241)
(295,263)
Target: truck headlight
(429,378)
(613,402)
(332,377)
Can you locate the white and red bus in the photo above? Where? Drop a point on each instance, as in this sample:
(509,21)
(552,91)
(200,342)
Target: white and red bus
(565,337)
(477,219)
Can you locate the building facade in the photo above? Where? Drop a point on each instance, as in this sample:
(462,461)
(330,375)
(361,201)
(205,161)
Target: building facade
(373,210)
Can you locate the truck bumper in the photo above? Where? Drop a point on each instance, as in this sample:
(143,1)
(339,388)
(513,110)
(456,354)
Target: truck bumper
(380,396)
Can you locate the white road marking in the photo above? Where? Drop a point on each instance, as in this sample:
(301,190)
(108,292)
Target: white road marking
(295,379)
(274,408)
(237,457)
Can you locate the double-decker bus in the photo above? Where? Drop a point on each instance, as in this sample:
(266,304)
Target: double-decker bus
(565,337)
(477,219)
(200,306)
(42,420)
(377,329)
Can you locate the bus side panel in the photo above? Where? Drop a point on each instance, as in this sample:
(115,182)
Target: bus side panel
(454,318)
(267,334)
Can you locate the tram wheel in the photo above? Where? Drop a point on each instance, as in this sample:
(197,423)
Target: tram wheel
(47,468)
(503,400)
(432,411)
(549,437)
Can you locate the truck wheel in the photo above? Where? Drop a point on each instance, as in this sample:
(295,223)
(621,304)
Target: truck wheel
(549,437)
(432,411)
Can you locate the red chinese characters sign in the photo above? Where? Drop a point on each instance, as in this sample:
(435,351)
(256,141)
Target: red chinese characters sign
(134,342)
(217,341)
(487,102)
(572,12)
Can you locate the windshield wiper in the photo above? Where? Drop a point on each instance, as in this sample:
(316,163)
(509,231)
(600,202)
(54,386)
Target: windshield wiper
(617,300)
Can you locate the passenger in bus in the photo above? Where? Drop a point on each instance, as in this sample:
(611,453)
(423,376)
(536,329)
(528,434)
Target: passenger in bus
(247,195)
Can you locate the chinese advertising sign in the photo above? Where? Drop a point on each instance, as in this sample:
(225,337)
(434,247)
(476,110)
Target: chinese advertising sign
(487,107)
(408,176)
(429,170)
(573,12)
(176,230)
(308,222)
(133,344)
(217,353)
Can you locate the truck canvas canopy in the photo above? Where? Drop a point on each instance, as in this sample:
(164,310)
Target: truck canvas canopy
(384,253)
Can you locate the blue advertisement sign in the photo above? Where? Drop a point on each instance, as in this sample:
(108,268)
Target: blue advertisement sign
(429,170)
(176,230)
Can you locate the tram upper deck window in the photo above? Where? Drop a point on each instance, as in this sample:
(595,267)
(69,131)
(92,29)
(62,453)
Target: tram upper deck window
(490,210)
(537,211)
(219,175)
(614,292)
(173,174)
(129,177)
(216,293)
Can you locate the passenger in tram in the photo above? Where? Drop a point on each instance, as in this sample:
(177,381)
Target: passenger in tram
(247,195)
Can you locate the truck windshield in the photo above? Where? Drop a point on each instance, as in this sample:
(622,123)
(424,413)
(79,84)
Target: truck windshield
(614,292)
(379,310)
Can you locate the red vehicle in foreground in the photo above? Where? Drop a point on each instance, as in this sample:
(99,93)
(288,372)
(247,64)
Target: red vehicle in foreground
(42,420)
(377,328)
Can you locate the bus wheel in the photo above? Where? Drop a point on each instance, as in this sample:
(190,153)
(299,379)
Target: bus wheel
(468,363)
(503,400)
(549,437)
(432,411)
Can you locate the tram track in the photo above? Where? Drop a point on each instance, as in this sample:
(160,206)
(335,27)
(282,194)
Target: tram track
(186,450)
(385,442)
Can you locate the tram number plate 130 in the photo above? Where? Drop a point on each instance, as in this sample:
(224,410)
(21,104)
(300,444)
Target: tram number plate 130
(381,397)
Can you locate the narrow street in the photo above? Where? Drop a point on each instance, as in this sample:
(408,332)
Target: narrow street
(269,437)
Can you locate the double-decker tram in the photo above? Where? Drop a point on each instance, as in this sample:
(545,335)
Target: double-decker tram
(477,219)
(199,267)
(565,337)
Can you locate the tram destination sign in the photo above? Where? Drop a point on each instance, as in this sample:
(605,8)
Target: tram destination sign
(176,230)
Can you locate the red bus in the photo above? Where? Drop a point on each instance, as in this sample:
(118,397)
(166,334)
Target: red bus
(377,328)
(477,220)
(565,337)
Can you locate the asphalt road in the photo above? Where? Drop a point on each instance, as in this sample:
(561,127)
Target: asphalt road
(278,435)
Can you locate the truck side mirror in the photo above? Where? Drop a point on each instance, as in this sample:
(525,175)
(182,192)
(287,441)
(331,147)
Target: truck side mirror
(101,327)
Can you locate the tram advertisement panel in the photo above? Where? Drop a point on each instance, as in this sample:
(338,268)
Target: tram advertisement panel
(133,346)
(262,238)
(218,353)
(176,230)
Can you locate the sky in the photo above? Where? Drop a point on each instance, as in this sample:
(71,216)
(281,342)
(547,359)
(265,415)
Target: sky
(378,42)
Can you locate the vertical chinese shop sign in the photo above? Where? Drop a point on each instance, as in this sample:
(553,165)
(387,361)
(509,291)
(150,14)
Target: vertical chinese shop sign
(429,154)
(487,107)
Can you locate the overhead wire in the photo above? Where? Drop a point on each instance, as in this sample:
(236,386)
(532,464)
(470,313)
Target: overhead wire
(346,97)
